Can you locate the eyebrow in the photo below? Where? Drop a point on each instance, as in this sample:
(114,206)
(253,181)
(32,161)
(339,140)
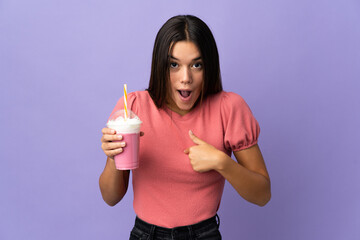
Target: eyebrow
(195,59)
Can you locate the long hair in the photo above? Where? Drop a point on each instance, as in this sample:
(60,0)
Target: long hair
(183,28)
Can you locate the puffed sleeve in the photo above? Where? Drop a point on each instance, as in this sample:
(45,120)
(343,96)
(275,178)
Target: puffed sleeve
(131,97)
(241,130)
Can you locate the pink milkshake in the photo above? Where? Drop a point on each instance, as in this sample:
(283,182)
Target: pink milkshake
(129,129)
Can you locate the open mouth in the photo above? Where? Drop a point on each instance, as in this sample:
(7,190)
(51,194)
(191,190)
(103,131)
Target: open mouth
(184,94)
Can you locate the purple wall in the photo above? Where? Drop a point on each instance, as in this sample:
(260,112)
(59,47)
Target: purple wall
(62,66)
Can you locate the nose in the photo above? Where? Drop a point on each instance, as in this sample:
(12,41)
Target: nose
(186,77)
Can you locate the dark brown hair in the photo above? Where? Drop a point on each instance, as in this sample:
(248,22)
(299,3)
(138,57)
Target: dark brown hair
(183,28)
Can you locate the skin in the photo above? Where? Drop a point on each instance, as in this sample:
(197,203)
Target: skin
(186,73)
(248,175)
(113,183)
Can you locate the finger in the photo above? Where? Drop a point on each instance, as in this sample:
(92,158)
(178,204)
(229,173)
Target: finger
(195,139)
(109,138)
(113,145)
(112,153)
(108,131)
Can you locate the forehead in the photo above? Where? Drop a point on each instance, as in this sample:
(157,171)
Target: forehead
(185,50)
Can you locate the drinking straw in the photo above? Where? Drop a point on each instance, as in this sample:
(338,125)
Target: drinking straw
(125,102)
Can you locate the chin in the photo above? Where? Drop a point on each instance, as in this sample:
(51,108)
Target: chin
(186,107)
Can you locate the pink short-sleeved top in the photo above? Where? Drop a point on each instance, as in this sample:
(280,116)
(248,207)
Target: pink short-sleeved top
(167,191)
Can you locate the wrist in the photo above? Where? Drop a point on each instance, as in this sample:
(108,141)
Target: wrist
(223,161)
(110,164)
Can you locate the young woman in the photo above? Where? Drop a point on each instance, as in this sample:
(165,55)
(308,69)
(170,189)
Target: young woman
(191,127)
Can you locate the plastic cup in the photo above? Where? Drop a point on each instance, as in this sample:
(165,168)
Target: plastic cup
(129,129)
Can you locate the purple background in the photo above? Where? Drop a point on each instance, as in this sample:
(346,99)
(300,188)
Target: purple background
(62,67)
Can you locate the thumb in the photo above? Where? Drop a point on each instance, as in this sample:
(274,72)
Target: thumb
(187,151)
(195,139)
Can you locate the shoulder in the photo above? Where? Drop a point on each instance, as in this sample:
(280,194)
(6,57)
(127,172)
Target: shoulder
(225,97)
(232,104)
(227,100)
(134,101)
(141,100)
(232,98)
(139,97)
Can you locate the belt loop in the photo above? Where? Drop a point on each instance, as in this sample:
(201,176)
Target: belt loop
(217,220)
(190,232)
(172,234)
(152,232)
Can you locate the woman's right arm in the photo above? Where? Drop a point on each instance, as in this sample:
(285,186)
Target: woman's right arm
(113,183)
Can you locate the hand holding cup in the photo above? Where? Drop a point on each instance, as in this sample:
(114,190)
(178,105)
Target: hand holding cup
(111,142)
(127,125)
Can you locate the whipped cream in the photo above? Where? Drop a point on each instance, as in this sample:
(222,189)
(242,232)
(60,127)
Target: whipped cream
(120,125)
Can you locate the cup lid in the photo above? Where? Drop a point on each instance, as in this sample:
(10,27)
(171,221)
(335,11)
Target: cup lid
(120,114)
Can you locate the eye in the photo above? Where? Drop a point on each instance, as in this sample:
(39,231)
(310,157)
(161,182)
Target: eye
(197,65)
(173,65)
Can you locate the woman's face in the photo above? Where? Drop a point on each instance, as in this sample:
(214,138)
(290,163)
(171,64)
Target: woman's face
(186,77)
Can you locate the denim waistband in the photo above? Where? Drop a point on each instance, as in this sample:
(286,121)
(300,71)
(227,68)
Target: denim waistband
(191,230)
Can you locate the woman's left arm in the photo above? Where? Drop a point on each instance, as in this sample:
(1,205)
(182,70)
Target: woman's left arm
(248,175)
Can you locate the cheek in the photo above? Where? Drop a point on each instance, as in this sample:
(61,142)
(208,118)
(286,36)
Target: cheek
(172,81)
(199,77)
(199,83)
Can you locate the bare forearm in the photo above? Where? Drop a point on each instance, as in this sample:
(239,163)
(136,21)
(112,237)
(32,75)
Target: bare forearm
(252,186)
(113,183)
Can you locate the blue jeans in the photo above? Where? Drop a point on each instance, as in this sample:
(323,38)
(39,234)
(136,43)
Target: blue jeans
(207,229)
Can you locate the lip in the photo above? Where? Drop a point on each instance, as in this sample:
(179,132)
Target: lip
(187,98)
(182,89)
